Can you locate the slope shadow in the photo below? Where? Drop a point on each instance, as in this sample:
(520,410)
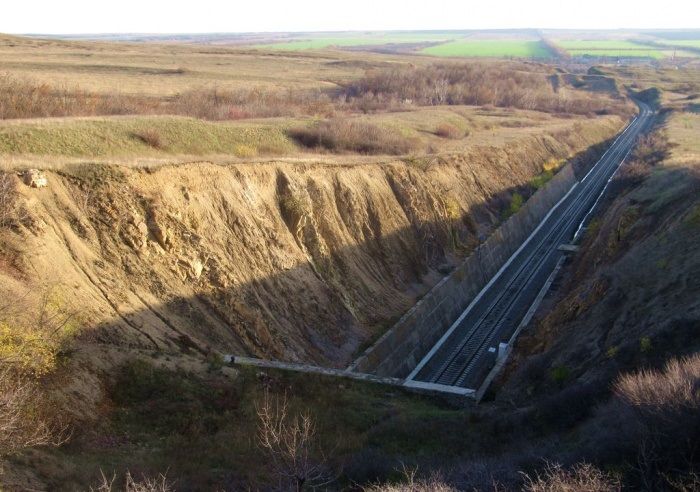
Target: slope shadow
(323,309)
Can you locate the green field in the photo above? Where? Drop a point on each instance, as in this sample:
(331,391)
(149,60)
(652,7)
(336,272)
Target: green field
(611,48)
(692,43)
(119,137)
(349,41)
(519,49)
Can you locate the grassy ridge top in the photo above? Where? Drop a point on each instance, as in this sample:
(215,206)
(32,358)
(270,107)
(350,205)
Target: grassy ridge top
(120,137)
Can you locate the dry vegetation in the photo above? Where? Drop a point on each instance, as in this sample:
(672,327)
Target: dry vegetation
(448,130)
(473,84)
(343,135)
(32,332)
(9,206)
(580,478)
(208,239)
(130,484)
(22,98)
(291,445)
(394,89)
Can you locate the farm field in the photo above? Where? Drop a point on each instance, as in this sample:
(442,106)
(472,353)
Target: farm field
(692,43)
(355,40)
(490,48)
(609,48)
(164,70)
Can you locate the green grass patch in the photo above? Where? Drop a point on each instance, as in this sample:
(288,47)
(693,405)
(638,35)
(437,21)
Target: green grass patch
(612,48)
(516,203)
(692,43)
(202,430)
(487,48)
(123,137)
(541,179)
(560,374)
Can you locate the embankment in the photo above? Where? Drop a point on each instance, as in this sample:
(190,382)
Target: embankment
(302,262)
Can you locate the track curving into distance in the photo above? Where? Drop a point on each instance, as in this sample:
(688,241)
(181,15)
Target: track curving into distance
(465,354)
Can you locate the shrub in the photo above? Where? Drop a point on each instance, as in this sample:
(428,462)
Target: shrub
(28,350)
(340,135)
(582,477)
(151,137)
(542,179)
(146,484)
(410,483)
(661,411)
(560,374)
(645,345)
(516,202)
(663,393)
(23,98)
(448,130)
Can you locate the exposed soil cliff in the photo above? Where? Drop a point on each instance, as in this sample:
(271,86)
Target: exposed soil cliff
(292,261)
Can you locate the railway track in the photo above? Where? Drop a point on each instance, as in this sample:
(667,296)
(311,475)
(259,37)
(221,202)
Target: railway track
(468,350)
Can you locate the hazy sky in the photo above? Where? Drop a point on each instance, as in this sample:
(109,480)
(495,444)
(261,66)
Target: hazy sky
(169,16)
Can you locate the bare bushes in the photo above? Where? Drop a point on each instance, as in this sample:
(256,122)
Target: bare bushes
(23,98)
(219,104)
(20,98)
(448,130)
(151,137)
(473,84)
(290,443)
(658,412)
(340,135)
(652,148)
(31,334)
(410,483)
(582,477)
(146,484)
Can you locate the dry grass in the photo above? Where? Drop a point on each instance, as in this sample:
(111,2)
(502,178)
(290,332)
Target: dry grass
(158,70)
(665,393)
(410,483)
(582,477)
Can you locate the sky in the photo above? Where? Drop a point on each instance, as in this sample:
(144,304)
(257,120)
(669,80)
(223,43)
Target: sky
(201,16)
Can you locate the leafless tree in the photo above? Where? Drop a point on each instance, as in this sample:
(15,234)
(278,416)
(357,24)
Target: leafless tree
(24,406)
(289,440)
(442,86)
(21,425)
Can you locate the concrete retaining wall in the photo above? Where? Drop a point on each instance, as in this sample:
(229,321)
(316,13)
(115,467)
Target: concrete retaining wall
(400,349)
